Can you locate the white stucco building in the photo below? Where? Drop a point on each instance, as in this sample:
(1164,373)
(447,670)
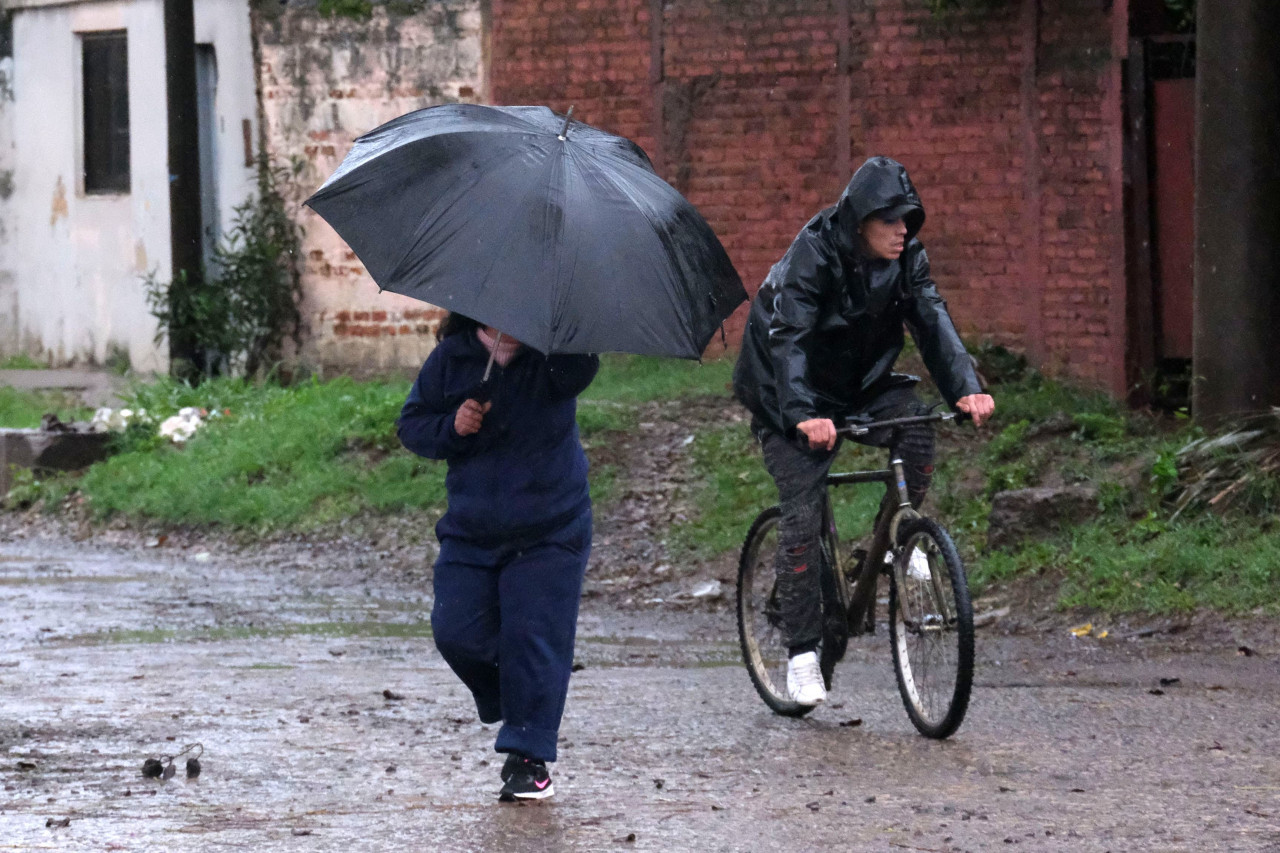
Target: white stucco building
(84,188)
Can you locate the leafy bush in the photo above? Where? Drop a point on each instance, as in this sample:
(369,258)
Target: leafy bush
(237,314)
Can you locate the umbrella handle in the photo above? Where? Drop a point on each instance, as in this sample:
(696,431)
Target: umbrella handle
(492,354)
(564,132)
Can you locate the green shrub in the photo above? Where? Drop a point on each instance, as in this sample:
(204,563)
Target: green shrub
(236,315)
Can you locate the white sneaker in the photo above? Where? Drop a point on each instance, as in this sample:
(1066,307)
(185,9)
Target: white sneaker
(804,680)
(918,568)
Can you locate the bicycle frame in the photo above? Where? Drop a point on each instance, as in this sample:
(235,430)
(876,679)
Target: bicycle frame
(863,594)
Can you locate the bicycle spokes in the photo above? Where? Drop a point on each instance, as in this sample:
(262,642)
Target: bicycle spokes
(932,629)
(928,606)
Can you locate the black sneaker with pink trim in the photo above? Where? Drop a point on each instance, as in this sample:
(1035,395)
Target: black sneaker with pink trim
(528,780)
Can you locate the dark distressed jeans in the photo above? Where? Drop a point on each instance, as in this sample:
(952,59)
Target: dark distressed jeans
(800,476)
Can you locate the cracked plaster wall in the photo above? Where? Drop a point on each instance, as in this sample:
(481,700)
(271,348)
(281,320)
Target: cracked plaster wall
(325,81)
(72,264)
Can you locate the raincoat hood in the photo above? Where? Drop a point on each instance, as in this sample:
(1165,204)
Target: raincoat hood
(881,183)
(826,327)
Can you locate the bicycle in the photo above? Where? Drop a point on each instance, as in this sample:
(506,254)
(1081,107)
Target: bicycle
(930,614)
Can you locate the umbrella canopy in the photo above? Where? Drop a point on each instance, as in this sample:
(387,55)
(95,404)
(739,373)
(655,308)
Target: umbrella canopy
(555,232)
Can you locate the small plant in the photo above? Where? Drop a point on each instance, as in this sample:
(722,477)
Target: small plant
(20,361)
(1099,426)
(28,488)
(1009,443)
(24,489)
(237,315)
(118,361)
(1164,473)
(359,10)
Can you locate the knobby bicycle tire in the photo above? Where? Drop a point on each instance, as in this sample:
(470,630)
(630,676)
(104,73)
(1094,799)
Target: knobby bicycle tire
(931,630)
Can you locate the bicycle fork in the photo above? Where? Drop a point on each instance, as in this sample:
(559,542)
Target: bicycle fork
(862,606)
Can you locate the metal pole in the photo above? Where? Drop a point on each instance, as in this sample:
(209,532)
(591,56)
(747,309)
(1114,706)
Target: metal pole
(184,163)
(1236,350)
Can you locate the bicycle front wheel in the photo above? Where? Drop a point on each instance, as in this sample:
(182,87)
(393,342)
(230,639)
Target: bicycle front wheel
(760,631)
(931,625)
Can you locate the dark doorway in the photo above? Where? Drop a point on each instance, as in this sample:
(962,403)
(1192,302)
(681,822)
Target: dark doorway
(1161,201)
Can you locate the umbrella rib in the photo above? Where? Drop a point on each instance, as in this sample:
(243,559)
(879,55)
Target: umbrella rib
(655,229)
(508,227)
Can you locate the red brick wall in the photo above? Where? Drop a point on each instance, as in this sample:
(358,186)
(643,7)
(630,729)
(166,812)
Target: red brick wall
(1079,214)
(1000,115)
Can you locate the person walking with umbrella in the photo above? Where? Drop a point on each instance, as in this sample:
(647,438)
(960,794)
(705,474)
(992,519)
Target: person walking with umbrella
(549,240)
(516,536)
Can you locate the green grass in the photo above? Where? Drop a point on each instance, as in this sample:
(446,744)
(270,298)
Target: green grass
(298,458)
(306,457)
(319,453)
(1147,565)
(21,361)
(638,379)
(733,486)
(1132,558)
(24,409)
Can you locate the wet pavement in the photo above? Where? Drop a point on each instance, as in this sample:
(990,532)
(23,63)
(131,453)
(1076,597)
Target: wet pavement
(329,723)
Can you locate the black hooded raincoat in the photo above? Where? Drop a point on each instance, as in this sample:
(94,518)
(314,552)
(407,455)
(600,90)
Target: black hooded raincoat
(826,326)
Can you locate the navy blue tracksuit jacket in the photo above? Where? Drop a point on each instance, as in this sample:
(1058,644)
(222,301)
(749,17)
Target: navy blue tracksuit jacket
(524,473)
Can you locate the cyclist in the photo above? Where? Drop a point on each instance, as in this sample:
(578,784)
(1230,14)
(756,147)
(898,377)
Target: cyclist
(821,340)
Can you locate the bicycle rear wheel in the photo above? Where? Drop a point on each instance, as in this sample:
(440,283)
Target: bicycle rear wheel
(760,632)
(931,626)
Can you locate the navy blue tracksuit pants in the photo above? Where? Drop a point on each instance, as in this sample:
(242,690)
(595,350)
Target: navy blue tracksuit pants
(504,620)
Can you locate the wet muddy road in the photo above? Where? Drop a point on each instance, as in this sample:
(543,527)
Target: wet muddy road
(283,670)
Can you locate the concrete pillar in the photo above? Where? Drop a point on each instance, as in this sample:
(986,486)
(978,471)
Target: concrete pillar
(1236,350)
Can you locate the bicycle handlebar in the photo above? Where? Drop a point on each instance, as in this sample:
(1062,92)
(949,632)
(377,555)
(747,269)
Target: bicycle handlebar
(854,429)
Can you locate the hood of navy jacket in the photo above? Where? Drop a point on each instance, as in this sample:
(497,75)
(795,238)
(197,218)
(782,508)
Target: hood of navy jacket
(827,325)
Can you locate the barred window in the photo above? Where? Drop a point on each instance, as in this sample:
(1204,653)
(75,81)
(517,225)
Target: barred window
(106,112)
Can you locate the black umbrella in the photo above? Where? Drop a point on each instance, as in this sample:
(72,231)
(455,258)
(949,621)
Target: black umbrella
(551,230)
